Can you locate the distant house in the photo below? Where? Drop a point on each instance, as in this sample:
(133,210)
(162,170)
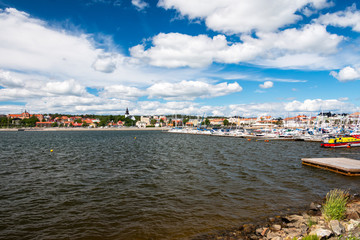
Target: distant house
(216,121)
(25,115)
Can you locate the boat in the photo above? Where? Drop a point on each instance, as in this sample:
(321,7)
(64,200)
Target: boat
(342,141)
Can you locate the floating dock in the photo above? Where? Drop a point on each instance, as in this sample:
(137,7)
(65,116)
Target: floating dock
(345,166)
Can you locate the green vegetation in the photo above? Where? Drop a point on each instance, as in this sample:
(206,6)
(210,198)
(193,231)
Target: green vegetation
(308,237)
(311,237)
(335,205)
(311,222)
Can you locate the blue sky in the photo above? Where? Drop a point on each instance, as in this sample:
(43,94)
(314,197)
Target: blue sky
(229,57)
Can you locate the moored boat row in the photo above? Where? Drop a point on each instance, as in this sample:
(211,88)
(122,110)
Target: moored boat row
(328,137)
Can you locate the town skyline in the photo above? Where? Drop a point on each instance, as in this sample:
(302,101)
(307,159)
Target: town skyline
(220,58)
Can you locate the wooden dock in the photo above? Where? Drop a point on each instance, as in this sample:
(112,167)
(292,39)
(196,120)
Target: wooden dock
(345,166)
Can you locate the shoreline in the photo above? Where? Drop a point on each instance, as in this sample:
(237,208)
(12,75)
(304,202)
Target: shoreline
(296,225)
(82,129)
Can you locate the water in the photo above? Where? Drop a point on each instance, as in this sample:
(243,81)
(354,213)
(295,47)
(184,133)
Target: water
(109,185)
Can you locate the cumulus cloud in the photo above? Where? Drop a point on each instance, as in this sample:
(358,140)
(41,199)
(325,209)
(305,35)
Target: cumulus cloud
(348,18)
(69,87)
(122,92)
(139,4)
(308,106)
(181,50)
(313,105)
(106,63)
(242,16)
(7,80)
(189,90)
(346,74)
(267,84)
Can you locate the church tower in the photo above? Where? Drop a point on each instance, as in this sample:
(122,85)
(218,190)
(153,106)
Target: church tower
(127,113)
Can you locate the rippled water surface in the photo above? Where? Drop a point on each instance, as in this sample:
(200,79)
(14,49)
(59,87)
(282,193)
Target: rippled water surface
(151,185)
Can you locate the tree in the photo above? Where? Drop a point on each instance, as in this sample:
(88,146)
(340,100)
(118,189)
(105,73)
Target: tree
(54,124)
(226,122)
(84,124)
(29,122)
(207,122)
(153,121)
(4,122)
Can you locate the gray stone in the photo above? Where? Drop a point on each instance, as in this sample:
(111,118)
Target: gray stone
(276,227)
(295,218)
(321,232)
(353,224)
(314,206)
(336,226)
(293,232)
(272,235)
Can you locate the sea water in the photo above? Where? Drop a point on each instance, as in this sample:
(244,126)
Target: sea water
(151,184)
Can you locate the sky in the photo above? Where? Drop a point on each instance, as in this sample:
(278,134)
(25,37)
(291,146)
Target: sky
(198,57)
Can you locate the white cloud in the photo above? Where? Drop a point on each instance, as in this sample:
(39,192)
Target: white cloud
(312,38)
(308,106)
(122,92)
(316,105)
(189,90)
(69,87)
(243,16)
(346,74)
(267,84)
(348,18)
(7,80)
(180,50)
(139,4)
(17,94)
(106,63)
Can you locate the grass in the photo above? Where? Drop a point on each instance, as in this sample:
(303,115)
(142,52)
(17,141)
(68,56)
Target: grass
(311,223)
(311,237)
(335,205)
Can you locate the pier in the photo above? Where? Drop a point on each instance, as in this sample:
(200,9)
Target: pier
(345,166)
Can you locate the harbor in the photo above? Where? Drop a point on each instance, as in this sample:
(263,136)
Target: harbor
(153,184)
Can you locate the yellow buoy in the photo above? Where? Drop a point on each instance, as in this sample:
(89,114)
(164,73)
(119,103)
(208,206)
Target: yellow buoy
(134,137)
(51,150)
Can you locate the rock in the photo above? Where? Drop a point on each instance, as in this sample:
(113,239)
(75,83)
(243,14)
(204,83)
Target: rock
(293,232)
(295,218)
(272,235)
(352,215)
(277,238)
(352,225)
(275,227)
(321,232)
(336,227)
(303,229)
(248,228)
(314,206)
(262,231)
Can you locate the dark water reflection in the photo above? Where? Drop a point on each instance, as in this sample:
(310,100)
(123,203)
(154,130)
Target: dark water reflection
(109,185)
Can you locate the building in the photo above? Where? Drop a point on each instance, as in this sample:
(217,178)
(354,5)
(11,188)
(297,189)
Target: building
(25,115)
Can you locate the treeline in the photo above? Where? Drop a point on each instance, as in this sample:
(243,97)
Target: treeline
(29,122)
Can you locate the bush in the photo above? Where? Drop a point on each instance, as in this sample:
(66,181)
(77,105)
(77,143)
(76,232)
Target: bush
(335,205)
